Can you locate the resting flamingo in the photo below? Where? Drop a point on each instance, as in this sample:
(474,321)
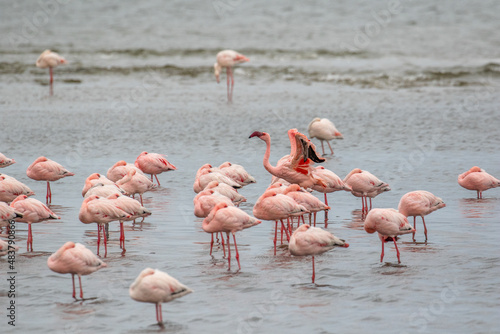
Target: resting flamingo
(10,188)
(228,219)
(32,211)
(228,191)
(135,183)
(43,169)
(389,224)
(156,286)
(51,60)
(237,173)
(477,179)
(419,203)
(227,59)
(154,164)
(206,176)
(120,169)
(307,240)
(4,161)
(365,185)
(7,215)
(323,129)
(93,179)
(75,259)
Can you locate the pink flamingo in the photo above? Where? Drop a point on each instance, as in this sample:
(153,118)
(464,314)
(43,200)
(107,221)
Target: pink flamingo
(419,203)
(43,169)
(307,240)
(206,176)
(295,168)
(135,183)
(365,185)
(133,208)
(228,219)
(104,190)
(75,259)
(226,190)
(120,170)
(323,129)
(32,211)
(154,164)
(227,59)
(275,206)
(4,161)
(156,286)
(332,181)
(50,59)
(10,188)
(5,248)
(93,179)
(206,200)
(309,201)
(477,179)
(7,215)
(237,173)
(101,211)
(389,223)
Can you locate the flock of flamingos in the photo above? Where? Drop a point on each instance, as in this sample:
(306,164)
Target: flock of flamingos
(286,201)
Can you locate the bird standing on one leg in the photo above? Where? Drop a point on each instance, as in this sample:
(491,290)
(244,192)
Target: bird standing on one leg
(227,59)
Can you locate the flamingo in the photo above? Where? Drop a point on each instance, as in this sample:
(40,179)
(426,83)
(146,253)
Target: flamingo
(7,215)
(365,185)
(272,205)
(205,176)
(308,240)
(100,210)
(389,223)
(4,161)
(206,200)
(5,248)
(10,188)
(43,169)
(295,168)
(227,59)
(228,191)
(323,129)
(135,183)
(477,179)
(32,211)
(132,207)
(154,164)
(50,59)
(104,190)
(120,170)
(237,173)
(419,203)
(75,259)
(309,201)
(156,286)
(93,179)
(229,219)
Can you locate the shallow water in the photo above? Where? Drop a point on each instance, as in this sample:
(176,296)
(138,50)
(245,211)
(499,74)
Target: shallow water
(417,106)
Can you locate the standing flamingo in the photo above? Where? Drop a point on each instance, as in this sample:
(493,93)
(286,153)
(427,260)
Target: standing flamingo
(154,164)
(93,179)
(100,210)
(275,206)
(7,215)
(227,59)
(477,179)
(10,188)
(206,200)
(389,223)
(50,59)
(133,208)
(135,183)
(306,199)
(4,161)
(323,129)
(32,211)
(228,191)
(120,169)
(332,181)
(43,169)
(365,185)
(228,219)
(75,259)
(419,203)
(307,240)
(156,286)
(295,168)
(237,173)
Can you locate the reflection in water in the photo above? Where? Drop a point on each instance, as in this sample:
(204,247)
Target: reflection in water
(479,208)
(358,220)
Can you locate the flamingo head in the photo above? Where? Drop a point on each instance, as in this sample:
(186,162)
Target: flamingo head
(257,134)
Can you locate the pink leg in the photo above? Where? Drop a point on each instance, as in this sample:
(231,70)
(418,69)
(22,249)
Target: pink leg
(362,204)
(81,290)
(425,228)
(232,84)
(275,237)
(98,238)
(397,250)
(47,197)
(140,195)
(156,176)
(382,254)
(370,203)
(211,243)
(282,233)
(286,231)
(222,242)
(329,146)
(414,226)
(314,271)
(323,147)
(228,71)
(159,317)
(310,215)
(105,242)
(51,75)
(228,253)
(314,218)
(74,290)
(237,254)
(290,227)
(122,237)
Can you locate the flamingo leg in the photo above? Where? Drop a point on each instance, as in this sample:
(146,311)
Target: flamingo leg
(105,242)
(323,147)
(30,233)
(303,220)
(414,226)
(159,316)
(48,197)
(237,254)
(74,290)
(140,195)
(397,250)
(362,204)
(314,219)
(314,271)
(122,238)
(228,253)
(156,176)
(286,231)
(382,254)
(81,290)
(228,71)
(329,146)
(51,75)
(310,215)
(370,203)
(290,227)
(211,243)
(275,236)
(425,228)
(222,242)
(282,233)
(98,238)
(232,83)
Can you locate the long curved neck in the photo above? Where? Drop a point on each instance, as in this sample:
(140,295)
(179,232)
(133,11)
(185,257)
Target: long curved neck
(267,165)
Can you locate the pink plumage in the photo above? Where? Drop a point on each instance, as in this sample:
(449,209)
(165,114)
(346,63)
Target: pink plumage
(5,162)
(477,179)
(10,188)
(323,129)
(227,59)
(154,164)
(307,200)
(93,179)
(365,185)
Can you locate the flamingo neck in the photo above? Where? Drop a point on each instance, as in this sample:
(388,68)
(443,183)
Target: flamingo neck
(267,165)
